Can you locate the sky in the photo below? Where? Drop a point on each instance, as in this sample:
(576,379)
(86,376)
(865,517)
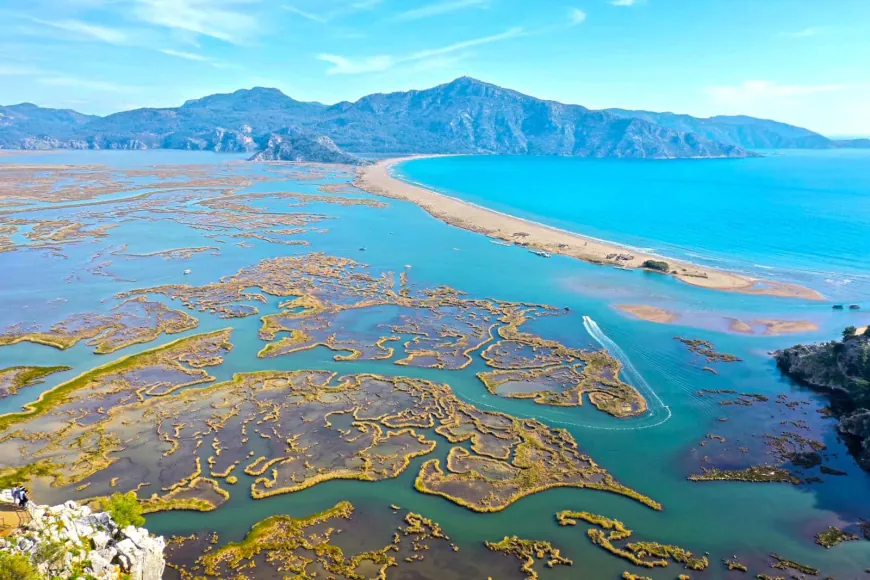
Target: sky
(803,62)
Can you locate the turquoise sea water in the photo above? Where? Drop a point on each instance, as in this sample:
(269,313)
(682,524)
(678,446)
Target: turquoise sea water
(652,454)
(801,216)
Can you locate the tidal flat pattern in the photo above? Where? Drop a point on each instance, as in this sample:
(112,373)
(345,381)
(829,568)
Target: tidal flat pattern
(297,378)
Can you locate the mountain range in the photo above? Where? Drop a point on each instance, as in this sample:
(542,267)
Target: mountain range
(463,116)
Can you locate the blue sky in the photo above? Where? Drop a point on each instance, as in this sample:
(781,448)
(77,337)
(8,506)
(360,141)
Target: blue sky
(798,61)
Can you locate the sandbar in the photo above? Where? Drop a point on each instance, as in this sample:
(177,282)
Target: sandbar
(767,326)
(376,179)
(774,327)
(650,313)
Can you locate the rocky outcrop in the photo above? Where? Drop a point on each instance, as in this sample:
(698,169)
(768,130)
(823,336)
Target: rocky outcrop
(300,146)
(89,544)
(841,369)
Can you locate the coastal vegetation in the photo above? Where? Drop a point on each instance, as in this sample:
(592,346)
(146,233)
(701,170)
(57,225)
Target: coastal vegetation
(375,424)
(705,349)
(657,265)
(309,546)
(754,474)
(124,509)
(528,552)
(641,553)
(833,536)
(447,329)
(132,322)
(13,379)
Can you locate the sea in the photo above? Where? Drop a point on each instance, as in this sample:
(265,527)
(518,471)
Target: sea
(802,217)
(799,215)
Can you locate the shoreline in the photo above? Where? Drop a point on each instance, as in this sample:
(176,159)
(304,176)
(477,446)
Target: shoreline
(376,179)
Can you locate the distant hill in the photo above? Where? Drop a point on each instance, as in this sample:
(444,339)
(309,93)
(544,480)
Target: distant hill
(852,143)
(27,124)
(747,132)
(463,116)
(302,146)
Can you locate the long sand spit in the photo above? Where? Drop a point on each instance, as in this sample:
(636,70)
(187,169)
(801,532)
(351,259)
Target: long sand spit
(376,179)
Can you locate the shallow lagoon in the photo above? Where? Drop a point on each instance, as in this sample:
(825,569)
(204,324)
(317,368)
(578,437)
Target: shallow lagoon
(749,520)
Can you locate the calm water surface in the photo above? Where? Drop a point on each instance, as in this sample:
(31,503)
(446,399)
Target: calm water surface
(802,216)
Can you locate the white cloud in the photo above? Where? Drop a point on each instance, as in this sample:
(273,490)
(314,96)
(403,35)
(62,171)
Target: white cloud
(361,65)
(577,16)
(754,91)
(73,82)
(227,20)
(439,8)
(85,30)
(623,2)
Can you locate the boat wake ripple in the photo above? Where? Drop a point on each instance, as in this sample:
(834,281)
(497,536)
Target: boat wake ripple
(656,407)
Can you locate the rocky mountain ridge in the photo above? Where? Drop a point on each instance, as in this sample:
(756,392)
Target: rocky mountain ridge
(739,130)
(464,116)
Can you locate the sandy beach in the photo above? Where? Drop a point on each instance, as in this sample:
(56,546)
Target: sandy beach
(376,179)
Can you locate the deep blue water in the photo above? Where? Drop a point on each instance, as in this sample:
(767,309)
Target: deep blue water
(801,216)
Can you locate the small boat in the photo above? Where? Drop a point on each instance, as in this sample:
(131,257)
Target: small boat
(362,249)
(407,265)
(499,243)
(541,253)
(186,272)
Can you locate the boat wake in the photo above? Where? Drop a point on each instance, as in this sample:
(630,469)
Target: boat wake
(656,407)
(657,413)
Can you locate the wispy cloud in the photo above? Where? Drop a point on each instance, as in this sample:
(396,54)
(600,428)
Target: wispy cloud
(369,64)
(185,55)
(439,8)
(341,11)
(86,30)
(577,16)
(12,70)
(74,82)
(507,34)
(624,2)
(753,91)
(228,20)
(805,33)
(322,19)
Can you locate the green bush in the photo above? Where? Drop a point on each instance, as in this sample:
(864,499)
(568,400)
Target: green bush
(17,567)
(657,265)
(849,332)
(124,509)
